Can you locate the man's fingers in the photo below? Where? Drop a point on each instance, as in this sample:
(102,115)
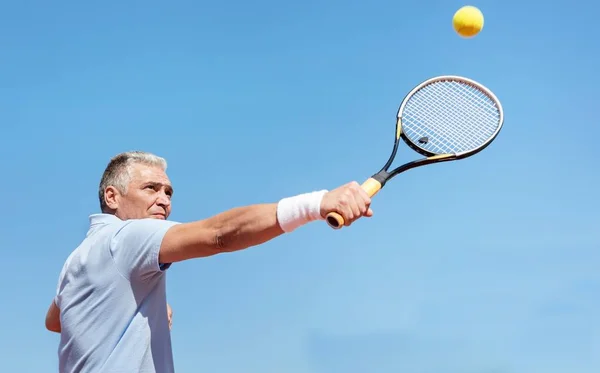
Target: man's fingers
(348,215)
(362,199)
(351,201)
(358,202)
(357,206)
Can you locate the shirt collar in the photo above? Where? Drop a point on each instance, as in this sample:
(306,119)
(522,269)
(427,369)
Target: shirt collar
(96,219)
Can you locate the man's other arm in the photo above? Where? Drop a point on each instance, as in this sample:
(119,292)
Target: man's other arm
(53,318)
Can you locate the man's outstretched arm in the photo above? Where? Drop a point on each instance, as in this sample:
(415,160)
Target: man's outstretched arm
(244,227)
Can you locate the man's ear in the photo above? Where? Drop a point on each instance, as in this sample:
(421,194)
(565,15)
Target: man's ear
(111,197)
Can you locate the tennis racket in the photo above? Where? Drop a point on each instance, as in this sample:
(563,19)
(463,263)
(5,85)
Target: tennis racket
(445,118)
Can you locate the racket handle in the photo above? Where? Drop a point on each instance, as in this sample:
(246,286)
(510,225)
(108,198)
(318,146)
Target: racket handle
(335,220)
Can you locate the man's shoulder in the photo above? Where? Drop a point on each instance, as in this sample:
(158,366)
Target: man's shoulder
(142,227)
(117,225)
(107,230)
(134,245)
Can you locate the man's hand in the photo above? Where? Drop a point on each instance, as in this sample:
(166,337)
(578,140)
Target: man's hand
(350,200)
(170,316)
(53,318)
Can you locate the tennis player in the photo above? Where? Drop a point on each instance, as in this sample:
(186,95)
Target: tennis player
(110,306)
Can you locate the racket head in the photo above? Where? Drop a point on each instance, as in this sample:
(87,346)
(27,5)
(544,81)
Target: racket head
(449,115)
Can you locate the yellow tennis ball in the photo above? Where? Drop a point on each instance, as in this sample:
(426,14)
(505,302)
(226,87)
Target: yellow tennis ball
(468,21)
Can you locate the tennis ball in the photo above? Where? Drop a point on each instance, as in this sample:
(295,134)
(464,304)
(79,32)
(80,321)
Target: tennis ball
(468,21)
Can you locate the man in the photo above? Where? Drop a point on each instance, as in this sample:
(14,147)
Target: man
(110,306)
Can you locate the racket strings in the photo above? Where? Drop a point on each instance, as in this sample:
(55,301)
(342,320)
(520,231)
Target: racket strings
(454,117)
(448,136)
(451,130)
(444,126)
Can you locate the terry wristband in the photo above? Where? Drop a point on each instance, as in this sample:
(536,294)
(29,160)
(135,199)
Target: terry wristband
(292,212)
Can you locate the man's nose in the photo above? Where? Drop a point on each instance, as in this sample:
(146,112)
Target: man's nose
(163,200)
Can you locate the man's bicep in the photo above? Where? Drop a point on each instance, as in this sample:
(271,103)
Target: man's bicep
(187,241)
(135,247)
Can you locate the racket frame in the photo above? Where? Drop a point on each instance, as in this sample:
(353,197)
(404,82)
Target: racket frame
(378,180)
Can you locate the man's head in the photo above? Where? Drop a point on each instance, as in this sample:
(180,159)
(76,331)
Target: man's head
(135,186)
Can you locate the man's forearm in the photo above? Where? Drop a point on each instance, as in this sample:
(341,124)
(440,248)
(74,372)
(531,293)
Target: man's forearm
(243,227)
(238,228)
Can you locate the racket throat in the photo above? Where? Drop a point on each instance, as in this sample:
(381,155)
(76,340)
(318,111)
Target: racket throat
(381,177)
(383,174)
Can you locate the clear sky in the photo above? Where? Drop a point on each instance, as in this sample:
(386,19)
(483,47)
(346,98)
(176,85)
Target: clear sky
(487,265)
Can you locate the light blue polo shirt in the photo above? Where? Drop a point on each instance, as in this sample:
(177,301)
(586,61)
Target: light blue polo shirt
(112,300)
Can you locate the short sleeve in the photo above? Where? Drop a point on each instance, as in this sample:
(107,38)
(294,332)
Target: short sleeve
(135,247)
(61,278)
(59,287)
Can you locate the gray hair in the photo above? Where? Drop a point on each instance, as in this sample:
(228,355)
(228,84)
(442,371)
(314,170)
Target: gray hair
(118,175)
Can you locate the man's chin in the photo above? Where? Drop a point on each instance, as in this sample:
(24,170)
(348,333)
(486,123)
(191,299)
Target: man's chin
(158,216)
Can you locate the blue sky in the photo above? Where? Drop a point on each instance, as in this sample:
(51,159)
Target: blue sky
(487,265)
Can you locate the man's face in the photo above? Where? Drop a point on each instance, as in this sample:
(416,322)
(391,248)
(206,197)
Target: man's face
(148,195)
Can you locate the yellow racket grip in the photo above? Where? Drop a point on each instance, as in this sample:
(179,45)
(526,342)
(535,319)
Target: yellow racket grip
(336,221)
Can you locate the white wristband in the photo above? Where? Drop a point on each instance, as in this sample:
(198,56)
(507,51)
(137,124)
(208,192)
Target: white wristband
(292,212)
